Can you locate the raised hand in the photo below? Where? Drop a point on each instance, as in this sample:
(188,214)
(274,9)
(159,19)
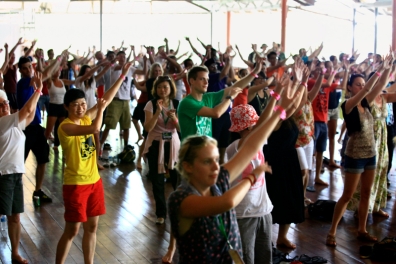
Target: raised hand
(254,47)
(165,40)
(188,39)
(37,80)
(259,64)
(289,95)
(20,41)
(298,69)
(235,91)
(126,67)
(132,47)
(101,104)
(306,73)
(159,105)
(6,46)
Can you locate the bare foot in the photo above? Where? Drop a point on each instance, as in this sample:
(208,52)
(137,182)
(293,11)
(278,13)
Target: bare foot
(19,259)
(381,213)
(168,256)
(286,244)
(334,165)
(140,138)
(321,182)
(100,167)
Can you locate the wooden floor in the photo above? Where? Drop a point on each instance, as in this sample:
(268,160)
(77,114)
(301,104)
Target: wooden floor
(128,234)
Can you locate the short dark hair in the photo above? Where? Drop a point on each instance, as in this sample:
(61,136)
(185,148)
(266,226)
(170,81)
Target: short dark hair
(161,79)
(109,53)
(192,74)
(23,60)
(271,54)
(73,95)
(48,51)
(121,52)
(187,61)
(333,57)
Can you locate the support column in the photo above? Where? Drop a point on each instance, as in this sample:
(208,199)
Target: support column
(394,24)
(375,30)
(283,33)
(101,29)
(353,29)
(228,28)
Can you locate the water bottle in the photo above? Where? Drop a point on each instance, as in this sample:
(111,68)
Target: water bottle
(3,222)
(36,201)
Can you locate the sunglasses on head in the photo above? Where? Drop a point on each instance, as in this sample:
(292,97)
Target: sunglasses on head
(195,141)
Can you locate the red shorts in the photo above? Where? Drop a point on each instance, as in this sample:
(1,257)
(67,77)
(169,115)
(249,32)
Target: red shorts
(83,201)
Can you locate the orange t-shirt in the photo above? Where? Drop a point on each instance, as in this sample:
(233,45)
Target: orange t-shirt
(280,72)
(241,98)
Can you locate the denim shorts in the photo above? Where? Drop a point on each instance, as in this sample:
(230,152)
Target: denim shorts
(320,136)
(358,166)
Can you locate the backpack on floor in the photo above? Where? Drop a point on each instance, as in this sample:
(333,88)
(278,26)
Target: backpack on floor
(384,250)
(127,156)
(322,209)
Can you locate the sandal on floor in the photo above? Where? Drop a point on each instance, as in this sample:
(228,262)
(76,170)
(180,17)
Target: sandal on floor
(331,241)
(381,213)
(366,237)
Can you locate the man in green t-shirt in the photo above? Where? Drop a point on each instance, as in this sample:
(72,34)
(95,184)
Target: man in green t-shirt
(196,110)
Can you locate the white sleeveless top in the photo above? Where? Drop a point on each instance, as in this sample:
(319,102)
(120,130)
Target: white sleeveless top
(56,94)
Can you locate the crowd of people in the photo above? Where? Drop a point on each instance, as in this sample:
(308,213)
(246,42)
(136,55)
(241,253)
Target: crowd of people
(237,145)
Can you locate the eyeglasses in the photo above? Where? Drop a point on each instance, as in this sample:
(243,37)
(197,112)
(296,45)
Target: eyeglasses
(4,103)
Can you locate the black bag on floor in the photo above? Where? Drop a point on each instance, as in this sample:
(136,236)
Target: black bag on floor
(322,209)
(127,156)
(385,250)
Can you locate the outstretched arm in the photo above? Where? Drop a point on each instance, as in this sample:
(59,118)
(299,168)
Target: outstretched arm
(6,58)
(248,63)
(109,95)
(28,111)
(195,206)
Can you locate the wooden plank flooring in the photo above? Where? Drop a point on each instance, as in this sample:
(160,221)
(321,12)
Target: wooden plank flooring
(128,234)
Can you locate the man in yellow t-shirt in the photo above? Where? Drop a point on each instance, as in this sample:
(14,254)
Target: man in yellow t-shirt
(83,193)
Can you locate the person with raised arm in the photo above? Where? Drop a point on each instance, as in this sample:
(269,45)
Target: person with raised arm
(56,111)
(86,82)
(378,194)
(12,148)
(360,154)
(83,193)
(34,132)
(202,217)
(285,185)
(10,78)
(304,119)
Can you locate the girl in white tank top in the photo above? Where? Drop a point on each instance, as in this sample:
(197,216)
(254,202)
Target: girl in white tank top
(56,93)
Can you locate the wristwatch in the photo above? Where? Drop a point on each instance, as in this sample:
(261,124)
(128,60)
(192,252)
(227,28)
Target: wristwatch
(229,97)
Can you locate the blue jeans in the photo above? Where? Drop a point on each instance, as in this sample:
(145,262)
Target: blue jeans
(44,101)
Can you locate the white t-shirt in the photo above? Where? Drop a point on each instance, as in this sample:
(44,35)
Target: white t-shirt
(256,203)
(12,144)
(124,93)
(89,92)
